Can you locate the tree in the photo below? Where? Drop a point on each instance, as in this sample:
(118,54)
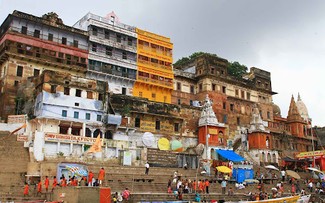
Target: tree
(236,69)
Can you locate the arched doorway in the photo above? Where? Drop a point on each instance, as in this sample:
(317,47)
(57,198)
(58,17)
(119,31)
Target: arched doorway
(97,132)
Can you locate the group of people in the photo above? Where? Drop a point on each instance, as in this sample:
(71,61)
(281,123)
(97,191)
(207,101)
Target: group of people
(119,197)
(89,181)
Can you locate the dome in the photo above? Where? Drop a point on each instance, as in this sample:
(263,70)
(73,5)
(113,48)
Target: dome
(302,109)
(276,110)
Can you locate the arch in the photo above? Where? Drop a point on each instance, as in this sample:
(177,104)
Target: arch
(262,157)
(108,135)
(268,157)
(213,154)
(97,132)
(220,137)
(267,142)
(274,158)
(88,132)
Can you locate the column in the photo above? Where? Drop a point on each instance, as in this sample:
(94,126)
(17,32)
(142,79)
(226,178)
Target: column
(83,130)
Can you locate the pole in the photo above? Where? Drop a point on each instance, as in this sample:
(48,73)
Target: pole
(312,141)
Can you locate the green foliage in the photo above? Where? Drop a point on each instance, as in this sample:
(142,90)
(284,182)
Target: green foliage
(60,154)
(236,69)
(186,60)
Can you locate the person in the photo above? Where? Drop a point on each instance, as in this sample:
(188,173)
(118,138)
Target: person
(101,176)
(47,183)
(283,175)
(90,179)
(126,194)
(96,183)
(230,191)
(39,187)
(54,184)
(147,168)
(119,197)
(207,183)
(197,197)
(26,189)
(223,186)
(185,166)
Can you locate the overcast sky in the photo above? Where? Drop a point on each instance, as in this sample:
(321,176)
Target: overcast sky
(286,38)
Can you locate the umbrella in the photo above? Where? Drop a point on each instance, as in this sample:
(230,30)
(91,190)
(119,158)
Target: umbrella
(314,169)
(271,167)
(176,146)
(224,169)
(293,174)
(163,144)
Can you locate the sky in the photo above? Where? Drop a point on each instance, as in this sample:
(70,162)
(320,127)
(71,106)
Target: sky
(285,38)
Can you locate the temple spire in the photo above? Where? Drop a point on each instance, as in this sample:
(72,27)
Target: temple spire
(208,117)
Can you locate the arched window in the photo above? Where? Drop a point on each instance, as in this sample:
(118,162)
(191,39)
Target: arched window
(108,135)
(262,157)
(97,132)
(88,132)
(268,157)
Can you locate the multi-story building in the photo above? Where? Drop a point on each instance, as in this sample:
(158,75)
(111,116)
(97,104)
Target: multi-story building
(31,44)
(155,73)
(233,98)
(112,51)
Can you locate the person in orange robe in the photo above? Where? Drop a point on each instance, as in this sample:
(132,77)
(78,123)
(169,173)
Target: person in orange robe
(47,183)
(39,187)
(101,176)
(202,186)
(90,179)
(194,185)
(26,189)
(55,183)
(207,183)
(64,182)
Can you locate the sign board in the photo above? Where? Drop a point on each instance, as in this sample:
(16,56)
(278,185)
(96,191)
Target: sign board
(304,155)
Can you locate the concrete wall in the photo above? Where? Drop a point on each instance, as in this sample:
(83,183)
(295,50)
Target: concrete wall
(77,194)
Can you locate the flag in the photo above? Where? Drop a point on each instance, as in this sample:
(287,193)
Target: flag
(96,147)
(23,126)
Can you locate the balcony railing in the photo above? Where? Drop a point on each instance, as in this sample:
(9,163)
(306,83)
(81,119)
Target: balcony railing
(53,38)
(158,51)
(159,82)
(106,70)
(157,65)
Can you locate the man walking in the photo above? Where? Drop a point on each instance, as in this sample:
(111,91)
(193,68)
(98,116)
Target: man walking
(223,186)
(90,179)
(283,175)
(101,176)
(147,168)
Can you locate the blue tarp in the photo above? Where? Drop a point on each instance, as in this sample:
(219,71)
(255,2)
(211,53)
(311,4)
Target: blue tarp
(230,155)
(241,174)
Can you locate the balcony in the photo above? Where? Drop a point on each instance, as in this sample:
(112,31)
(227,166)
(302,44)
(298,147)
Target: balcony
(156,65)
(109,71)
(156,82)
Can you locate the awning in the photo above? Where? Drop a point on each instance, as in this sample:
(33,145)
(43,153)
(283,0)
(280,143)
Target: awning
(230,155)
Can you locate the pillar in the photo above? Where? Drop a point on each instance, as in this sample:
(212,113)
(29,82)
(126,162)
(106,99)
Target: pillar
(83,133)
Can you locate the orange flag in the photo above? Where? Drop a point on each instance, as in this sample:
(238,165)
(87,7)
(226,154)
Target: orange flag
(23,126)
(96,147)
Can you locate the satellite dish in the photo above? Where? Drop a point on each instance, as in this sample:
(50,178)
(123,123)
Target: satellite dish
(199,149)
(148,139)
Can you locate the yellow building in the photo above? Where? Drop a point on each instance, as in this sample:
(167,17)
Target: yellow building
(154,61)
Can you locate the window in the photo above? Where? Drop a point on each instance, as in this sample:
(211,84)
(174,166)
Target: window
(129,41)
(225,118)
(100,97)
(37,33)
(231,107)
(137,122)
(179,101)
(236,92)
(192,89)
(66,91)
(213,87)
(78,93)
(238,120)
(36,72)
(24,30)
(123,90)
(106,32)
(212,70)
(191,102)
(94,31)
(16,83)
(176,127)
(64,113)
(268,115)
(153,95)
(118,38)
(99,117)
(50,37)
(19,71)
(248,96)
(224,105)
(76,104)
(157,125)
(223,89)
(94,47)
(53,88)
(64,40)
(124,56)
(76,114)
(200,87)
(87,116)
(75,43)
(243,94)
(109,51)
(89,95)
(179,86)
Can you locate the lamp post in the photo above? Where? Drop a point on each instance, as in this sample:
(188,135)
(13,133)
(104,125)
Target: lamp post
(206,138)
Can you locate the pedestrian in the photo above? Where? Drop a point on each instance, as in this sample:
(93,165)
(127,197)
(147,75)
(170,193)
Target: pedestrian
(223,186)
(126,194)
(147,168)
(207,183)
(26,189)
(54,184)
(283,175)
(90,179)
(47,183)
(39,187)
(101,176)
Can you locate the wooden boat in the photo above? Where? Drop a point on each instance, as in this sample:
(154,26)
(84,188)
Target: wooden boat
(304,199)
